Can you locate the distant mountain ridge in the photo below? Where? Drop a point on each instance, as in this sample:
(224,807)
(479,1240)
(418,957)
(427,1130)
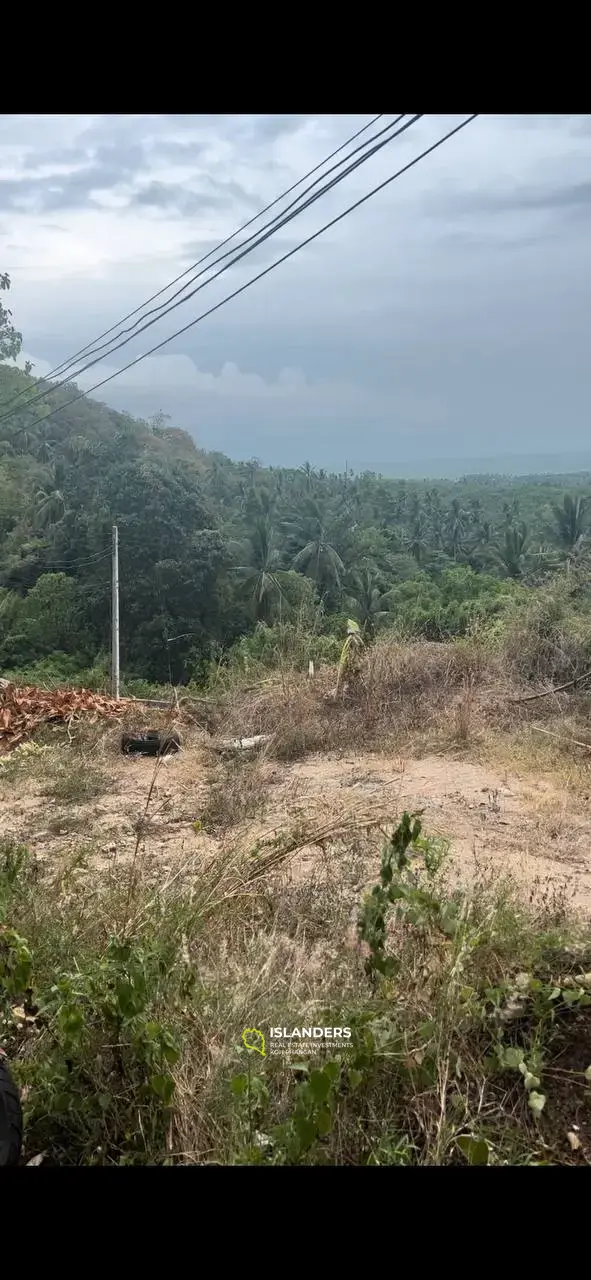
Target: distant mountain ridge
(526,466)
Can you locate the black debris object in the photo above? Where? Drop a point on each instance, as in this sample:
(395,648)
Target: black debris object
(153,743)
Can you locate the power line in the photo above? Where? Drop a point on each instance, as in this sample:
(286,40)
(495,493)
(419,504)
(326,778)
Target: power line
(266,271)
(65,364)
(277,219)
(94,347)
(275,225)
(74,564)
(303,243)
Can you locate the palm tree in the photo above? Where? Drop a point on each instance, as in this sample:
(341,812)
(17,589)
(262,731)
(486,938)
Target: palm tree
(260,504)
(317,558)
(45,444)
(413,510)
(369,604)
(511,511)
(261,575)
(479,548)
(251,468)
(50,503)
(475,511)
(511,553)
(307,470)
(77,450)
(456,527)
(570,524)
(25,438)
(416,542)
(434,513)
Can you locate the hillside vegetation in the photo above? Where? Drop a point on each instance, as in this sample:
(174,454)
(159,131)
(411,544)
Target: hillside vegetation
(223,563)
(218,558)
(405,857)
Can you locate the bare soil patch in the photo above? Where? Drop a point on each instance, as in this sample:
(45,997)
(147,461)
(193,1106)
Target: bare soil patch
(530,827)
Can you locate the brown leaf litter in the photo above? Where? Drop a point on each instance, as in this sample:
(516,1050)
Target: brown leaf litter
(24,708)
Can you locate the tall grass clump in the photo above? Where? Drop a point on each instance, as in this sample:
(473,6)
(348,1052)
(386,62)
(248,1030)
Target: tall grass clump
(548,640)
(381,690)
(124,1000)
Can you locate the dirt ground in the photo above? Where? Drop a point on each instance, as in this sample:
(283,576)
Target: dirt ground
(528,827)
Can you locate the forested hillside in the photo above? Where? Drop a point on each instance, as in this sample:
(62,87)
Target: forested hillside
(211,550)
(289,863)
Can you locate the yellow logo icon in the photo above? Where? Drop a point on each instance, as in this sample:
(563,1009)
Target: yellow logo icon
(254,1039)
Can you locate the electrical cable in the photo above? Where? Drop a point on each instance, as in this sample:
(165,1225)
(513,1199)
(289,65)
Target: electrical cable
(133,329)
(164,308)
(261,274)
(60,369)
(73,564)
(275,225)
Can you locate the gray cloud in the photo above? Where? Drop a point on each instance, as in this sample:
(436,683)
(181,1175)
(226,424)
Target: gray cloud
(183,202)
(64,191)
(176,199)
(125,159)
(269,128)
(575,197)
(113,156)
(449,317)
(170,150)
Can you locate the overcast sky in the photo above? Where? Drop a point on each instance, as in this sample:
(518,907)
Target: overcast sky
(449,317)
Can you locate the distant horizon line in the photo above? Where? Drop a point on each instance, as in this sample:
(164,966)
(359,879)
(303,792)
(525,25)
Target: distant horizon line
(565,463)
(577,462)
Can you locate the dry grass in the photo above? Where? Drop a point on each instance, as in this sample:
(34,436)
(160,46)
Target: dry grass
(293,956)
(77,783)
(424,695)
(416,697)
(244,937)
(398,689)
(236,792)
(557,755)
(463,713)
(257,946)
(549,642)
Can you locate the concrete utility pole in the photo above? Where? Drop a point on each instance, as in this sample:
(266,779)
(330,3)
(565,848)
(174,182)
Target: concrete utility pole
(115,616)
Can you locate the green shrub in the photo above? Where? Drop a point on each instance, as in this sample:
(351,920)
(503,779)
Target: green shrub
(61,669)
(550,637)
(46,620)
(453,603)
(86,1019)
(122,1014)
(267,648)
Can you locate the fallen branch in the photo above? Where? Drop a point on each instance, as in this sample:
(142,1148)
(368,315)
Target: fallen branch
(272,852)
(242,744)
(574,741)
(169,704)
(559,688)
